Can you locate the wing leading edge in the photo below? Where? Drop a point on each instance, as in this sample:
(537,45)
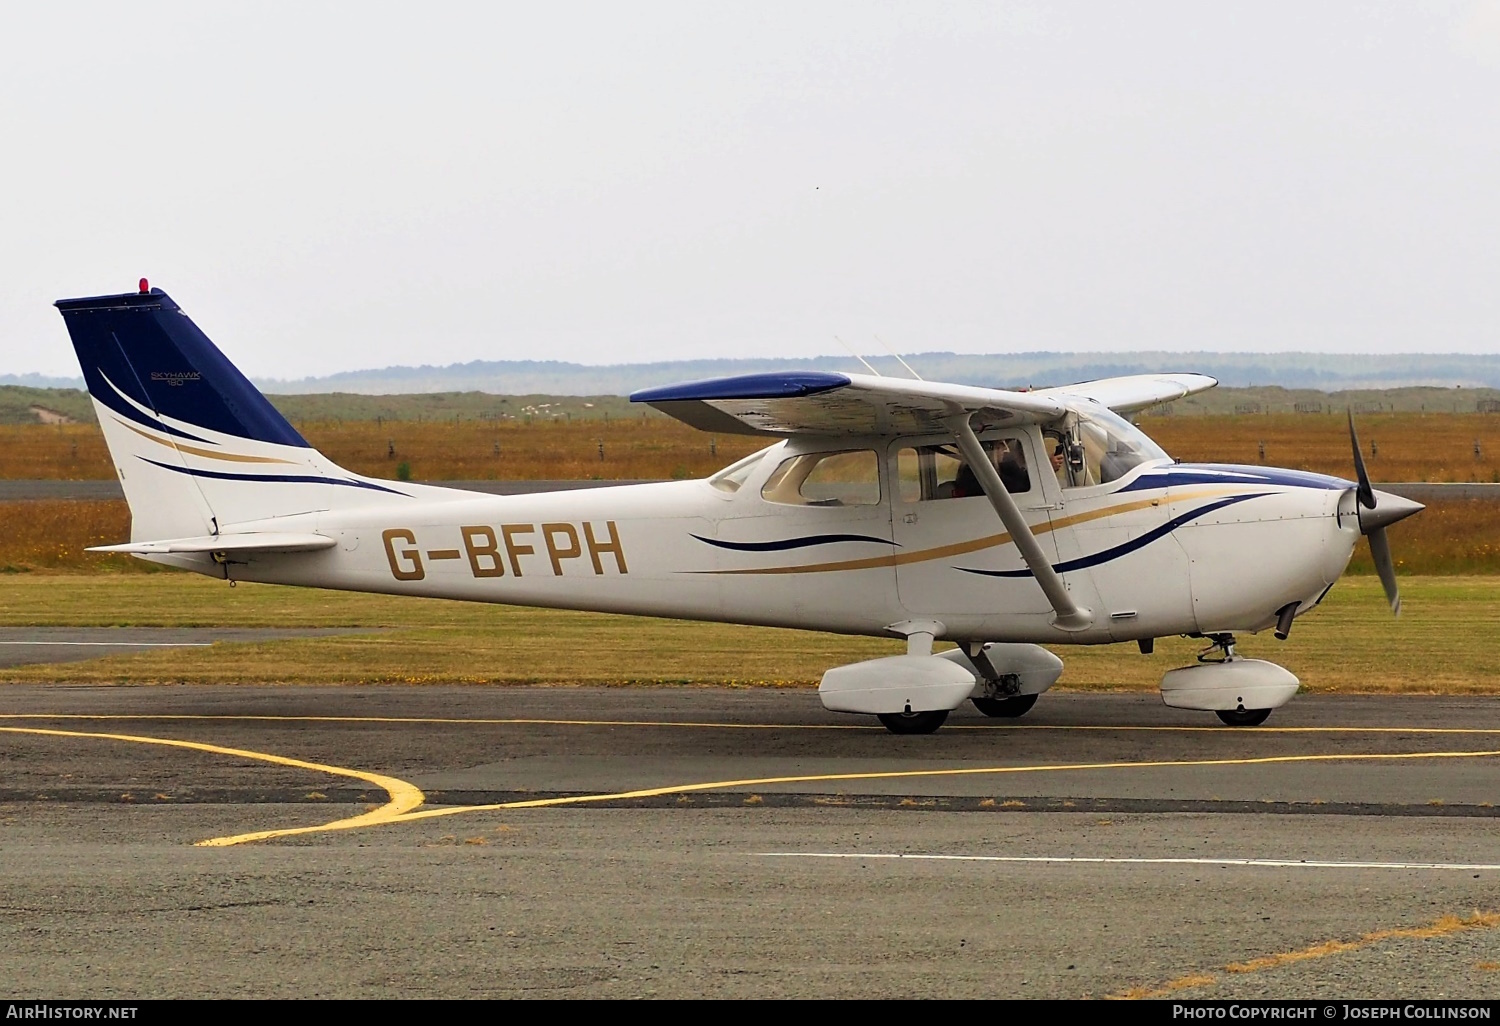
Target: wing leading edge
(1134,391)
(823,403)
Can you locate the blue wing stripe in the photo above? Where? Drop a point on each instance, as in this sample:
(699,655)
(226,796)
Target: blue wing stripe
(1107,555)
(785,385)
(792,543)
(219,475)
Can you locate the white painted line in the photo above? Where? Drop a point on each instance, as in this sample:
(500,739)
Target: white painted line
(117,644)
(1271,863)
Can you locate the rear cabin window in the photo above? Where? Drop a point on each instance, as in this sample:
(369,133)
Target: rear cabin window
(731,477)
(849,478)
(931,472)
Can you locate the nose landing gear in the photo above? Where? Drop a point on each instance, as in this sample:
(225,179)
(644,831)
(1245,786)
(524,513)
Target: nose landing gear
(913,722)
(1241,692)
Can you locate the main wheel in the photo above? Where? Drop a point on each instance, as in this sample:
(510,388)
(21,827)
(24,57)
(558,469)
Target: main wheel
(1244,717)
(1006,707)
(914,723)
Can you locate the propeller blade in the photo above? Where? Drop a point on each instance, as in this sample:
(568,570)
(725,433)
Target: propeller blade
(1366,493)
(1380,549)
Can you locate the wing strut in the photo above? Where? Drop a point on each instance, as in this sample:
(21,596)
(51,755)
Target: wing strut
(1070,616)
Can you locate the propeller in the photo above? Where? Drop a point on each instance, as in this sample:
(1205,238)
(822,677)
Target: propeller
(1377,511)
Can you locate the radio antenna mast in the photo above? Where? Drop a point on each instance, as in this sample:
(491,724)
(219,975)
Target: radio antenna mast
(899,360)
(861,359)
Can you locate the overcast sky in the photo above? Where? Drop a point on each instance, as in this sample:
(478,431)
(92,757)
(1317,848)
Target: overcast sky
(332,187)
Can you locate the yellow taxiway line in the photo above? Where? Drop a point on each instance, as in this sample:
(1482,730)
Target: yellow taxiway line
(1441,927)
(720,785)
(405,799)
(403,796)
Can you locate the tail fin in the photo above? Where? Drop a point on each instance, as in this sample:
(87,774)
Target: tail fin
(196,445)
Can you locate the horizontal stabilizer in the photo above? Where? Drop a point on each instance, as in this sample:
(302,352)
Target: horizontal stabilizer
(259,541)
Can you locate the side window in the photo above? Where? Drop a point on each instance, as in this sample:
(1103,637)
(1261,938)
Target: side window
(932,472)
(1097,446)
(850,478)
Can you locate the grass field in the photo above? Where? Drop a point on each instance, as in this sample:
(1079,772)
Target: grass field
(1443,642)
(1398,447)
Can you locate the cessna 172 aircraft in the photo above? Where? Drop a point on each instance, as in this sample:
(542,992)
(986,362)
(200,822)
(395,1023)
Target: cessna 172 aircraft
(996,520)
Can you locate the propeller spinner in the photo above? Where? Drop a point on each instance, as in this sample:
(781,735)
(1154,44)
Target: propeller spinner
(1377,511)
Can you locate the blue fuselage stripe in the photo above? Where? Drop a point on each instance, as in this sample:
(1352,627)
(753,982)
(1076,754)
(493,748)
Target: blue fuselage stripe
(792,543)
(219,475)
(1097,558)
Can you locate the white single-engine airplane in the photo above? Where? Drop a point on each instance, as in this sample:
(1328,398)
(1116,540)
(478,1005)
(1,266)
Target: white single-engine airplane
(994,519)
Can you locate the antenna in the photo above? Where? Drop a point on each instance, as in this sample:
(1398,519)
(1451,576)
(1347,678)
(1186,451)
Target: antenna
(899,360)
(861,359)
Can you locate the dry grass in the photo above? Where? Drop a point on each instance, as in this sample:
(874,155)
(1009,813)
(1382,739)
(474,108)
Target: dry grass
(1412,447)
(1442,644)
(52,534)
(69,452)
(472,450)
(1458,536)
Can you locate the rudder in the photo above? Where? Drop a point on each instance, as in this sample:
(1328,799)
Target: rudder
(196,446)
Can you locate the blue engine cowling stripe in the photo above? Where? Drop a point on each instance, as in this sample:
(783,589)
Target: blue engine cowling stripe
(1188,474)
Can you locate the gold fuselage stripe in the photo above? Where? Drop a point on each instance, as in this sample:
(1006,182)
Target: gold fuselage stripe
(229,457)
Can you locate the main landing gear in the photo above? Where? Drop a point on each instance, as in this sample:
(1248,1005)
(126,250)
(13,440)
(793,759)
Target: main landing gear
(1007,708)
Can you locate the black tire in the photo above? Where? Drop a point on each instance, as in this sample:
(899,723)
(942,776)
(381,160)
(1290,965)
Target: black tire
(1243,717)
(914,723)
(1008,708)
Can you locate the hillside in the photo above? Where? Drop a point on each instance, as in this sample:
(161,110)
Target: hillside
(20,405)
(1320,371)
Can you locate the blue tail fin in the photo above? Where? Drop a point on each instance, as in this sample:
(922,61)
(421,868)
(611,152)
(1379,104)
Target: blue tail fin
(140,346)
(197,448)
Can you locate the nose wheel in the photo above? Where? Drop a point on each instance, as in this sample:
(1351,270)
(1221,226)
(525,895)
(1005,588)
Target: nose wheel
(915,722)
(1243,717)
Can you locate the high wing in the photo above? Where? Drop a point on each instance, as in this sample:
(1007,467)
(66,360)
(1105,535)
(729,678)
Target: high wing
(1134,391)
(823,403)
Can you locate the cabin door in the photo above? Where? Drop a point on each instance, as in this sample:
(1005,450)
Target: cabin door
(954,560)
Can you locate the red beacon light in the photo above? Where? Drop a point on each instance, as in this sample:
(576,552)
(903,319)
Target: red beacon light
(145,286)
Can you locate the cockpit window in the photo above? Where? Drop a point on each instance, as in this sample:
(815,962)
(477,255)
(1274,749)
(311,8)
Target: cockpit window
(731,477)
(849,478)
(1097,446)
(940,471)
